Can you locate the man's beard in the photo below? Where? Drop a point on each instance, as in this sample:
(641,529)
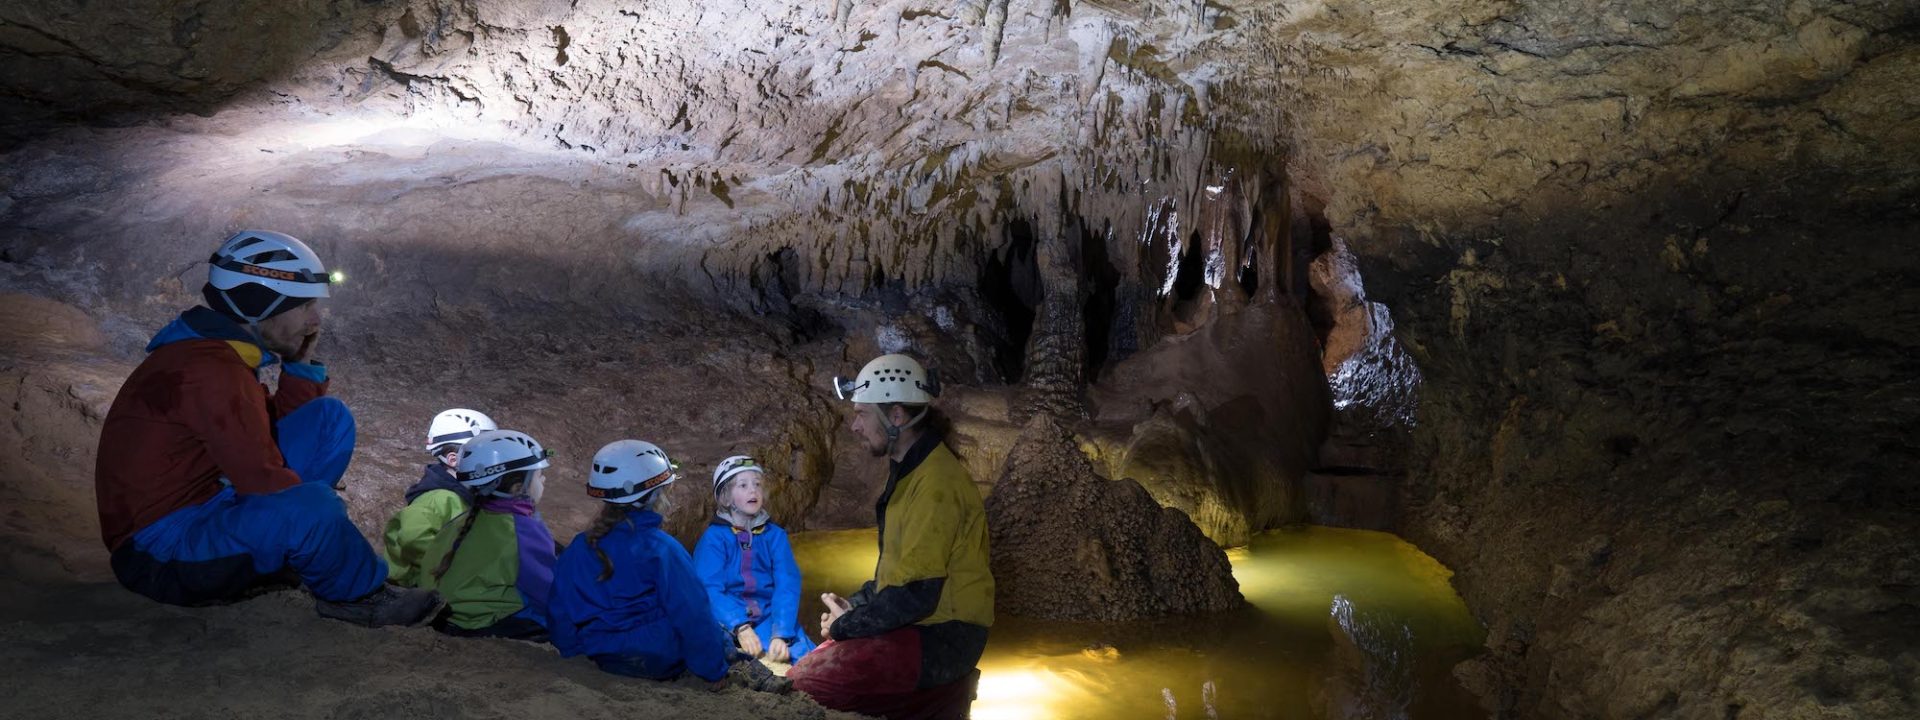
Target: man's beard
(879,451)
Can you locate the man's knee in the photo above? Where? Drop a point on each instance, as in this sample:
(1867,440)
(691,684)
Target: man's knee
(325,416)
(317,440)
(298,510)
(304,524)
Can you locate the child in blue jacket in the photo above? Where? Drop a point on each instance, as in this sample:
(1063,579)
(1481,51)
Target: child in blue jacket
(624,592)
(747,565)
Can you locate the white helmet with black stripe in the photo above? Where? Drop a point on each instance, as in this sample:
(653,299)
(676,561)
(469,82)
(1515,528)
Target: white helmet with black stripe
(275,261)
(732,466)
(456,427)
(629,471)
(494,454)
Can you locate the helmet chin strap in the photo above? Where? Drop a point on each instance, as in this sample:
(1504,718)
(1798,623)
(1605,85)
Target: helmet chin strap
(253,322)
(893,431)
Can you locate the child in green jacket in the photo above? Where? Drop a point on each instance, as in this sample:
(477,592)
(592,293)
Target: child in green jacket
(493,565)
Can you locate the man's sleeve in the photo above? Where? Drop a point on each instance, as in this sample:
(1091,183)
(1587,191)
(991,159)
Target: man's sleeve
(299,383)
(911,586)
(223,406)
(893,607)
(862,596)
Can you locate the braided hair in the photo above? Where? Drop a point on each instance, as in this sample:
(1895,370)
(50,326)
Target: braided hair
(610,515)
(508,482)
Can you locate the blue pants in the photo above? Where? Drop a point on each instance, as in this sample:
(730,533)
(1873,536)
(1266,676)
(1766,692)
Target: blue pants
(216,550)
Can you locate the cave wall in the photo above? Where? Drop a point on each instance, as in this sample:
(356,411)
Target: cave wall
(1655,264)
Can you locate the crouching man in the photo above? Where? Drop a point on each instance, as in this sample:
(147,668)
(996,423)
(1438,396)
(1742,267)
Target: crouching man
(207,486)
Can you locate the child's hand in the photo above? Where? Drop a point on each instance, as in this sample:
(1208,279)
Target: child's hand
(777,650)
(749,641)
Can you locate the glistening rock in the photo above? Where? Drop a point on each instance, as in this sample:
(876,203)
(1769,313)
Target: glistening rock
(1069,544)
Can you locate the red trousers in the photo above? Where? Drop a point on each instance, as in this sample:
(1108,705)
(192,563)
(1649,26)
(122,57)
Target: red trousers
(880,676)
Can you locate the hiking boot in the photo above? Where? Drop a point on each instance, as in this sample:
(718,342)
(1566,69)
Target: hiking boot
(388,605)
(753,675)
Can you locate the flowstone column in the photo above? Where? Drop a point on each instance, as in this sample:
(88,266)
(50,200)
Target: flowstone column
(1122,556)
(1055,352)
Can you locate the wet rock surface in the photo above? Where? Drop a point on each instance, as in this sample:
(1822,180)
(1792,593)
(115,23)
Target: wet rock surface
(1678,323)
(1069,544)
(1222,423)
(1653,263)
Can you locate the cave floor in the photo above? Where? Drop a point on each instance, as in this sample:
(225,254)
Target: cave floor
(94,650)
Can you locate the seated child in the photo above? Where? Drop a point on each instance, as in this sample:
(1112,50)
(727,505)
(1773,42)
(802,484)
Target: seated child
(494,564)
(434,501)
(747,565)
(625,594)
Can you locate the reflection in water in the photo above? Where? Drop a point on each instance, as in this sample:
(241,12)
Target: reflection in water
(1371,673)
(1342,624)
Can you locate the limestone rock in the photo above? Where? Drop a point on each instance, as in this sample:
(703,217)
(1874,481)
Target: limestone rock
(1222,423)
(1069,544)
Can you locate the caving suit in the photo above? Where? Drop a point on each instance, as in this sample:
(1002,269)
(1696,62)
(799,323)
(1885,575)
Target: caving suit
(431,503)
(909,646)
(753,581)
(207,485)
(502,571)
(650,619)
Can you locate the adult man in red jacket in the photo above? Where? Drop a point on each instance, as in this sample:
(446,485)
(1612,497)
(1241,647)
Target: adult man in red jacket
(206,484)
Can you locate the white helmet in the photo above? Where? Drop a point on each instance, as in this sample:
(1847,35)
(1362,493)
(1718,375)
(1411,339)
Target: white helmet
(734,466)
(276,260)
(494,453)
(456,427)
(626,471)
(890,379)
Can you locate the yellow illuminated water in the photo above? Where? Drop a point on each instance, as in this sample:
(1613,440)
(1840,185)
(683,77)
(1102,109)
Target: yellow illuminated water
(1289,654)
